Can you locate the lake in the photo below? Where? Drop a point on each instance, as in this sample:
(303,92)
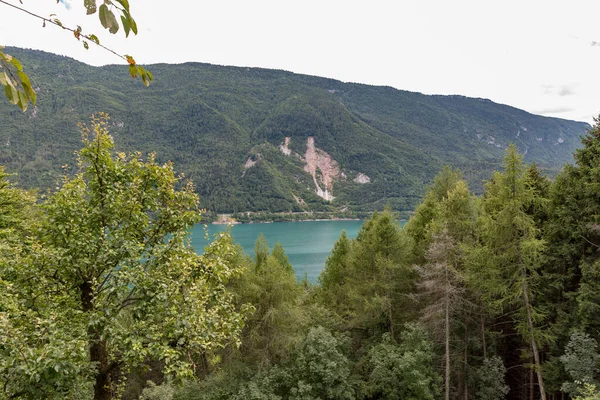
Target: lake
(307,244)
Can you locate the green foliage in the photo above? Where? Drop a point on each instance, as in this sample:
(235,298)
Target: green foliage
(582,362)
(405,370)
(210,120)
(335,273)
(319,369)
(153,392)
(261,252)
(572,229)
(273,329)
(374,292)
(490,380)
(39,357)
(590,392)
(281,257)
(16,83)
(113,280)
(588,297)
(14,80)
(419,227)
(504,264)
(510,252)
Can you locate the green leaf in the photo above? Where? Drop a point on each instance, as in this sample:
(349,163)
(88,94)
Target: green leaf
(24,78)
(133,71)
(94,38)
(90,6)
(124,3)
(144,76)
(133,26)
(3,79)
(125,23)
(30,93)
(108,19)
(16,64)
(11,94)
(86,45)
(23,100)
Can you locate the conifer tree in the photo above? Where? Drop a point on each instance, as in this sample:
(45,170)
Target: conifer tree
(380,278)
(442,276)
(274,327)
(510,253)
(334,275)
(419,225)
(441,286)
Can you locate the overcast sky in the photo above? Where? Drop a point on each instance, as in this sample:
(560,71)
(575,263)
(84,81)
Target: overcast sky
(541,56)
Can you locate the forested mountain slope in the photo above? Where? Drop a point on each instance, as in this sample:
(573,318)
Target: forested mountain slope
(255,139)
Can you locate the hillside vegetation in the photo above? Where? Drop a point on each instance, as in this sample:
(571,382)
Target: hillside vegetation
(226,128)
(491,297)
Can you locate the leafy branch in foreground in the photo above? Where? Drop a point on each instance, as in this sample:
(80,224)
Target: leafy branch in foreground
(17,85)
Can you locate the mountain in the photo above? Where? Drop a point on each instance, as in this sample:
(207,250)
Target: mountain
(256,139)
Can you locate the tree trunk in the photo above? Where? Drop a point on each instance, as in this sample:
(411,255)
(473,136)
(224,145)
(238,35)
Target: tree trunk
(466,357)
(531,383)
(99,356)
(534,348)
(98,351)
(447,346)
(483,338)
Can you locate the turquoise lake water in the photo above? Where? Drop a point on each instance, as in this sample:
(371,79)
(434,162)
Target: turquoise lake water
(307,244)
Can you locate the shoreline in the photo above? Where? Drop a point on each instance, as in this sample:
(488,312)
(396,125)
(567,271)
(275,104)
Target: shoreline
(267,218)
(291,220)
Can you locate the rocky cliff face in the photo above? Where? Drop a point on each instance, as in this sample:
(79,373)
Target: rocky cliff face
(323,169)
(320,165)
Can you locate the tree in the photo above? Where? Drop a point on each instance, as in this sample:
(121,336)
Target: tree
(573,229)
(490,380)
(116,280)
(380,279)
(419,225)
(581,361)
(281,257)
(273,329)
(442,224)
(403,371)
(590,392)
(319,369)
(17,84)
(37,358)
(335,273)
(441,284)
(511,251)
(261,251)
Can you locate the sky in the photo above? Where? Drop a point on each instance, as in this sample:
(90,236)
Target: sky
(540,56)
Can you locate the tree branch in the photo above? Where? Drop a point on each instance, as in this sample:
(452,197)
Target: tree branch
(60,25)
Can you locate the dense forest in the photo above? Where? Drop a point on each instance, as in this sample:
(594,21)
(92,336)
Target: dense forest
(223,127)
(482,297)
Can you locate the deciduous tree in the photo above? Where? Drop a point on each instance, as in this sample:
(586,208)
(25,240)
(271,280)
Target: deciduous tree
(115,280)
